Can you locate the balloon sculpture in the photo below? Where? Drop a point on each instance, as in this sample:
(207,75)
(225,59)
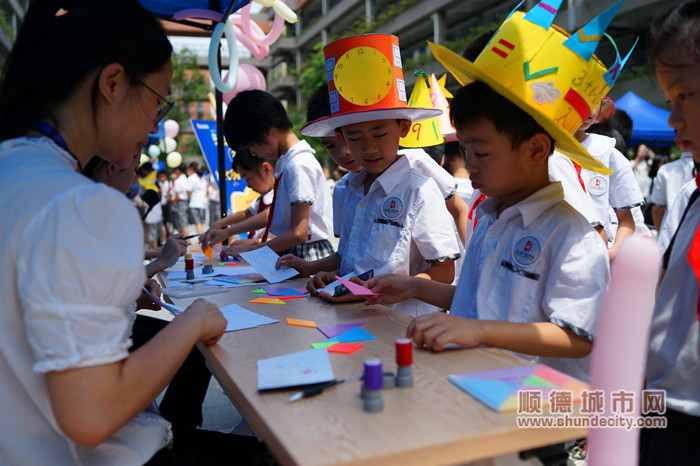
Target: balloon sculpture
(620,348)
(250,35)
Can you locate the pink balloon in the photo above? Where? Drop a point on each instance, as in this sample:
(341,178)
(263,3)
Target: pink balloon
(249,77)
(620,347)
(171,128)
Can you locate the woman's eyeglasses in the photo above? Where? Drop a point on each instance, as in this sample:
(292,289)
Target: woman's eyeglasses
(165,105)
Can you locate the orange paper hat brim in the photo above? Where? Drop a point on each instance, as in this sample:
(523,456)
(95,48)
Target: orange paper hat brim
(325,127)
(466,72)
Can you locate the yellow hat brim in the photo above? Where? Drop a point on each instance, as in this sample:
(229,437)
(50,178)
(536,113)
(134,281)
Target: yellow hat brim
(466,72)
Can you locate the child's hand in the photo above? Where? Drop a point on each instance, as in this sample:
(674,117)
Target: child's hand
(392,288)
(434,331)
(211,237)
(290,260)
(319,280)
(207,315)
(144,301)
(174,247)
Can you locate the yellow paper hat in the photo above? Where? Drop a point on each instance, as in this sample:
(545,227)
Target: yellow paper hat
(551,75)
(438,99)
(423,133)
(365,83)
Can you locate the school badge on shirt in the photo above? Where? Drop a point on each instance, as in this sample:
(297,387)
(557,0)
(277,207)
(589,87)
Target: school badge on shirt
(598,185)
(527,251)
(392,208)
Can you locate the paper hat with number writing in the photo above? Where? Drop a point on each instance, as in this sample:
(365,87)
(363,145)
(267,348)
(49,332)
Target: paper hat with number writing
(365,83)
(551,75)
(422,133)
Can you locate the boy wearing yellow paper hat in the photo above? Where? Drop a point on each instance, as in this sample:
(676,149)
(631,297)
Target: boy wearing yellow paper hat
(395,217)
(535,272)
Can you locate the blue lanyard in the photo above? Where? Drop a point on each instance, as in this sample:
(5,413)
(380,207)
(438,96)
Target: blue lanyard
(50,132)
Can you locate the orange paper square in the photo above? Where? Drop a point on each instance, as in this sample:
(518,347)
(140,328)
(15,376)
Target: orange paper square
(301,323)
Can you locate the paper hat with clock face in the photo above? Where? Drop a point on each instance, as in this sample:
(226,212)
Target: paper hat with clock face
(365,83)
(551,75)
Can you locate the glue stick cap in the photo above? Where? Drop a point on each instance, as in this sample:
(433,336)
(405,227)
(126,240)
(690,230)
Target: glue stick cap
(404,352)
(373,374)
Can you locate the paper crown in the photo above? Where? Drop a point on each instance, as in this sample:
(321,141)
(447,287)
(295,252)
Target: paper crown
(551,75)
(423,133)
(438,97)
(365,83)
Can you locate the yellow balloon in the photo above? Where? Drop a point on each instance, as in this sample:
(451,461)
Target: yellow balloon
(173,159)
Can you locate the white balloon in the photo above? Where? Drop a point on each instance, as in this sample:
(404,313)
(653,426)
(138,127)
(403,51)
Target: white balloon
(170,144)
(173,159)
(144,158)
(153,150)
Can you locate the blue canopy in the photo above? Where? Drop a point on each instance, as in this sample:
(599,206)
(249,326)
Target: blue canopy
(650,122)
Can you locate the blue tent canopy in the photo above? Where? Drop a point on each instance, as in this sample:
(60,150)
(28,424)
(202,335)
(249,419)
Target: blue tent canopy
(650,122)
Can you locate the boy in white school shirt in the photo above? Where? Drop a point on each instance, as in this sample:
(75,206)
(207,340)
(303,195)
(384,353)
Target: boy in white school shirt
(395,219)
(300,216)
(535,272)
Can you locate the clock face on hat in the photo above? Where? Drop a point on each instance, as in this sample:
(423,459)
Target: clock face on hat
(363,75)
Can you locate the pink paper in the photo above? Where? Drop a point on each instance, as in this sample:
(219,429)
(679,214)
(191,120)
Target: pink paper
(354,288)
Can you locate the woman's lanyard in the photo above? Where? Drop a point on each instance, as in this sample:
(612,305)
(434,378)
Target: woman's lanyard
(50,132)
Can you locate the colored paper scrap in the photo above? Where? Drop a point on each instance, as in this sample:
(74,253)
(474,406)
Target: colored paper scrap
(354,288)
(209,252)
(302,368)
(282,291)
(238,318)
(344,348)
(264,260)
(324,344)
(267,300)
(354,334)
(336,288)
(243,279)
(230,263)
(498,389)
(301,322)
(259,291)
(332,330)
(288,297)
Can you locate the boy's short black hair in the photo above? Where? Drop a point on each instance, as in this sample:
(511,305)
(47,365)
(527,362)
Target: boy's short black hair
(477,45)
(245,160)
(436,152)
(478,101)
(319,104)
(250,115)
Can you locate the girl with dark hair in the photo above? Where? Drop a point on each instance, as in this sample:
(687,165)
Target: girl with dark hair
(85,77)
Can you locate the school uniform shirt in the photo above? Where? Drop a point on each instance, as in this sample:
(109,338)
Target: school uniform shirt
(674,214)
(562,169)
(339,192)
(302,181)
(254,208)
(421,161)
(619,190)
(670,179)
(198,190)
(673,362)
(539,261)
(72,265)
(401,226)
(464,189)
(180,187)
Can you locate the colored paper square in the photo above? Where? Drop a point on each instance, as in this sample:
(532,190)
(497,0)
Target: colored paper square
(301,322)
(332,330)
(344,348)
(323,344)
(267,300)
(354,334)
(354,288)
